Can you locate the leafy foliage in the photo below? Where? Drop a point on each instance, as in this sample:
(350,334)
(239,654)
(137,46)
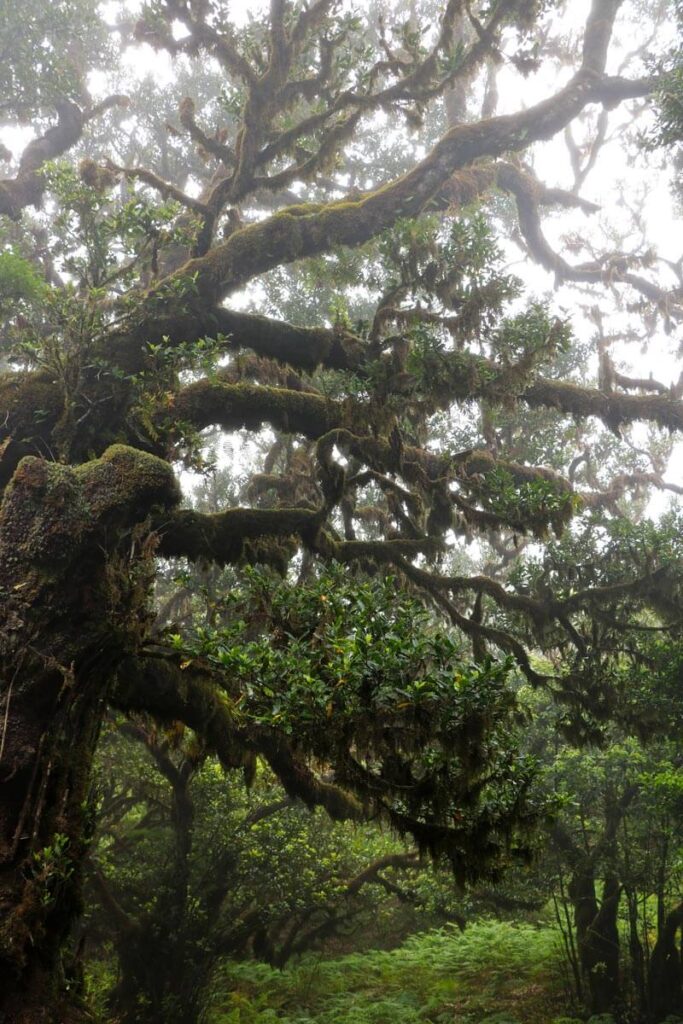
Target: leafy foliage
(47,51)
(343,664)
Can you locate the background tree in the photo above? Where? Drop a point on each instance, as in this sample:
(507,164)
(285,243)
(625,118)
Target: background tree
(237,874)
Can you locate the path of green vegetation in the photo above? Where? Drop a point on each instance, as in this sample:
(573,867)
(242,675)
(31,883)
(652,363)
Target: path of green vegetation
(492,974)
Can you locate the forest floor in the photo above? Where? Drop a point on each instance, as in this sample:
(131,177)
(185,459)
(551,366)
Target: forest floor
(493,973)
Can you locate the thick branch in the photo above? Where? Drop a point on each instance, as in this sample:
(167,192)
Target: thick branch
(160,688)
(220,537)
(296,233)
(232,406)
(27,188)
(462,375)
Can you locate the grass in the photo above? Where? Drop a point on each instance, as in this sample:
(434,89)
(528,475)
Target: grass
(493,973)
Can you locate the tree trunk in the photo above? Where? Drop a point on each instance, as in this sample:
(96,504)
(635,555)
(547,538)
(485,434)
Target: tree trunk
(665,976)
(597,936)
(73,585)
(636,951)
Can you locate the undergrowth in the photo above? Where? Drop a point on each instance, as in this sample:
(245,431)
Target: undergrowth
(493,973)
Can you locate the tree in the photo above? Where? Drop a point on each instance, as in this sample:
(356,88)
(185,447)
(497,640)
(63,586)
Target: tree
(108,339)
(616,845)
(616,852)
(189,868)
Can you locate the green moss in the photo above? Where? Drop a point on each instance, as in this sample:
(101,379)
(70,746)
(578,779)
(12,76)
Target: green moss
(232,406)
(221,537)
(43,515)
(31,402)
(127,480)
(48,509)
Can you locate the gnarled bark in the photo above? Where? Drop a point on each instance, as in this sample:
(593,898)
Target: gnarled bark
(73,548)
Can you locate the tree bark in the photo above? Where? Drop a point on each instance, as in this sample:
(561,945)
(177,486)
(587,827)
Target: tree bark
(665,977)
(73,581)
(597,935)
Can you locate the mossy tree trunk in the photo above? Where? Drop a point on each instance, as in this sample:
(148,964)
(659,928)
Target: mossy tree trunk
(73,582)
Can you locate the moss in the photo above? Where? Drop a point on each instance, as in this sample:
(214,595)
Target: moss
(303,230)
(221,537)
(48,509)
(483,462)
(31,404)
(299,781)
(301,347)
(42,518)
(613,409)
(231,406)
(278,554)
(127,481)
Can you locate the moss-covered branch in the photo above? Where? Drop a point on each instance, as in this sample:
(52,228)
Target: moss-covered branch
(157,686)
(220,537)
(616,269)
(302,347)
(215,402)
(462,376)
(298,232)
(28,185)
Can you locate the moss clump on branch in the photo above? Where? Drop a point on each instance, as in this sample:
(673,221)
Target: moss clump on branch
(49,512)
(232,406)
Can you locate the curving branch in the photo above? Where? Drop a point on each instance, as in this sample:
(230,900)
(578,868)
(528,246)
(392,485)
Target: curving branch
(157,686)
(28,186)
(612,270)
(164,188)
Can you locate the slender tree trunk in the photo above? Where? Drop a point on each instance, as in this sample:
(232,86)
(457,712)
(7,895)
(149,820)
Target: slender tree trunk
(565,926)
(70,609)
(636,951)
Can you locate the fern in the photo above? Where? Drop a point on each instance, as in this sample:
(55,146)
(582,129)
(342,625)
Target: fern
(493,973)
